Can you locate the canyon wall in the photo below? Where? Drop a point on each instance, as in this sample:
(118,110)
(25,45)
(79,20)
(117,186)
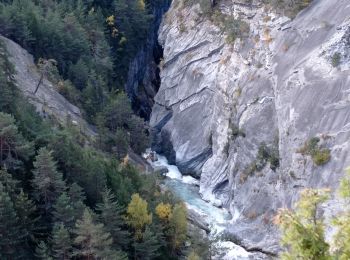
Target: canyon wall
(241,115)
(143,76)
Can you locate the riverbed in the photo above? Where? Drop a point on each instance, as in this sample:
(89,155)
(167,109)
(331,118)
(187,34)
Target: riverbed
(187,189)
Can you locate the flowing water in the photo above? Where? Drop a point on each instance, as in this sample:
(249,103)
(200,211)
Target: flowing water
(186,188)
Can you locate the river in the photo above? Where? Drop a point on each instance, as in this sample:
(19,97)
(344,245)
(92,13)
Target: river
(186,188)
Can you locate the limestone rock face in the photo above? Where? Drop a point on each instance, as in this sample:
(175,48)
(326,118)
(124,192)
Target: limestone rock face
(219,102)
(48,101)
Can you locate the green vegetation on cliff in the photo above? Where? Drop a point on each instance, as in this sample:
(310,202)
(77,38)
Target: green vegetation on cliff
(304,229)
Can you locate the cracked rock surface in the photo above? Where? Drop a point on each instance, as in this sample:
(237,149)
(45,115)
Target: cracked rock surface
(219,102)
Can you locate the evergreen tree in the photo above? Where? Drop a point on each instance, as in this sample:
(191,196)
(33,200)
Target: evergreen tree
(303,230)
(77,199)
(13,147)
(8,89)
(10,236)
(111,217)
(48,183)
(94,179)
(139,140)
(118,113)
(94,96)
(147,247)
(91,239)
(42,251)
(121,144)
(28,219)
(79,74)
(10,185)
(61,242)
(63,211)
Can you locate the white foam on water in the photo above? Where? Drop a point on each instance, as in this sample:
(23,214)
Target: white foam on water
(190,180)
(185,188)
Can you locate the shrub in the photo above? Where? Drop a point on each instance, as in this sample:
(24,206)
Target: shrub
(319,155)
(336,58)
(265,154)
(236,131)
(289,8)
(232,27)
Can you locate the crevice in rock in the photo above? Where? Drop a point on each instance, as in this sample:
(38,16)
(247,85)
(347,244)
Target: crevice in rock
(188,97)
(201,44)
(193,166)
(161,143)
(258,250)
(144,75)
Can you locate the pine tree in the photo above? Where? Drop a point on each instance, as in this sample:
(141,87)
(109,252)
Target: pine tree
(63,211)
(118,112)
(8,89)
(61,242)
(122,140)
(137,215)
(139,140)
(13,147)
(48,183)
(77,199)
(147,247)
(42,251)
(94,95)
(26,212)
(91,239)
(10,235)
(303,230)
(111,217)
(10,184)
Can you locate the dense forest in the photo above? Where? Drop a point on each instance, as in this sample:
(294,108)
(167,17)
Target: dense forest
(63,194)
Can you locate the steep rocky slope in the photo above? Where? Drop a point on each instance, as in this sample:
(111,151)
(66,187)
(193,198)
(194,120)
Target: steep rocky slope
(48,101)
(283,85)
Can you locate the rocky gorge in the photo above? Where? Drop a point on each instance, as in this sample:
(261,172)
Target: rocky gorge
(240,115)
(251,116)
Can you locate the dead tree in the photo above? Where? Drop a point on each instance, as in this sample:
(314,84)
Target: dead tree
(45,66)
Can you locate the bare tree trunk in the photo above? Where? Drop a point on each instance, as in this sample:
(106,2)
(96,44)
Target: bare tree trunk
(39,83)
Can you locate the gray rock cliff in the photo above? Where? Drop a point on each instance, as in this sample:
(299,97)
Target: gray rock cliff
(220,102)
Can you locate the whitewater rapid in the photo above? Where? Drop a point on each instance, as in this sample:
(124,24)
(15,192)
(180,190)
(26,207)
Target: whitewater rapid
(186,188)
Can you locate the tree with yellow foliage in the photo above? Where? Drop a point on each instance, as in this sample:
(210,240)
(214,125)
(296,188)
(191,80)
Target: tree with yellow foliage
(137,215)
(141,4)
(163,211)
